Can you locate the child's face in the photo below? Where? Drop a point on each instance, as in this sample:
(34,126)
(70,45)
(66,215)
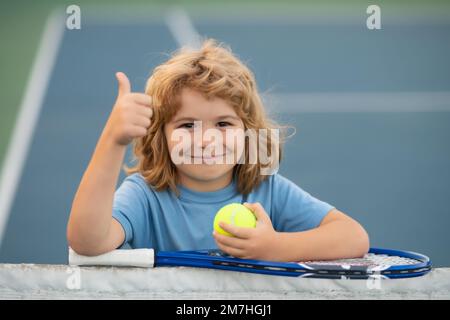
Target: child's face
(197,138)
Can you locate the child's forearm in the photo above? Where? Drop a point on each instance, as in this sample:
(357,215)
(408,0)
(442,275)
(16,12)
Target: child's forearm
(336,240)
(91,228)
(91,214)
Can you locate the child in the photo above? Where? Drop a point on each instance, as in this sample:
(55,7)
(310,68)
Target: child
(170,197)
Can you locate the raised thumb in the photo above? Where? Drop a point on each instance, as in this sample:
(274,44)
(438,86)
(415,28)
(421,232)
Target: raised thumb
(124,83)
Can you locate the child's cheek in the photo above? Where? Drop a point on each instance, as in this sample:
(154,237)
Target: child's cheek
(179,143)
(235,142)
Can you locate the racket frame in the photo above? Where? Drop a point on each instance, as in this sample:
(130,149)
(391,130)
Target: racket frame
(207,259)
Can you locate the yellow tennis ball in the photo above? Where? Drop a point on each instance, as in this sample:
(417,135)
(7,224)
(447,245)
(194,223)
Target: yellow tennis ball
(235,214)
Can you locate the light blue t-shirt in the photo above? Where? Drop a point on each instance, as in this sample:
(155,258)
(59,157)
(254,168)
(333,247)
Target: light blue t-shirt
(160,220)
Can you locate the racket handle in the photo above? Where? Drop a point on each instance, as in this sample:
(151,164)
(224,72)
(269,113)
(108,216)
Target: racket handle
(143,258)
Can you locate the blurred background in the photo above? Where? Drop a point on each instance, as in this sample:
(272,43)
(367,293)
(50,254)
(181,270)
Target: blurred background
(371,107)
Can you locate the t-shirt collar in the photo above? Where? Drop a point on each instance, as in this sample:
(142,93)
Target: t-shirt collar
(208,196)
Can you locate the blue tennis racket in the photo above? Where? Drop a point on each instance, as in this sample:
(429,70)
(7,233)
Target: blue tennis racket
(378,263)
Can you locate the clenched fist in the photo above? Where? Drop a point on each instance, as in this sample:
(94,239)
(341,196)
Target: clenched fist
(131,114)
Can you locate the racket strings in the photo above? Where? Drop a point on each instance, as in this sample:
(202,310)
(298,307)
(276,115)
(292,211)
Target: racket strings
(369,260)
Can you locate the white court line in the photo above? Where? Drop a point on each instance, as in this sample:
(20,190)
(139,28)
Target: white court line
(358,102)
(28,114)
(182,28)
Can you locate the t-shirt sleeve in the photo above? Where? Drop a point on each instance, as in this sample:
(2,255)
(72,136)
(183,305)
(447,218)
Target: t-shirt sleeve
(130,208)
(295,209)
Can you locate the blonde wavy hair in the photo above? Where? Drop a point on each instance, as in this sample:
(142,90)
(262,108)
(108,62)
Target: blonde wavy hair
(214,71)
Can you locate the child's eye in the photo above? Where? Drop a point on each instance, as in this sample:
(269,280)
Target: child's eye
(189,125)
(224,124)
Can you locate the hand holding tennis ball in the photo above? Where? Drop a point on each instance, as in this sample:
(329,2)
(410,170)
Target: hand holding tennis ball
(235,214)
(245,231)
(130,117)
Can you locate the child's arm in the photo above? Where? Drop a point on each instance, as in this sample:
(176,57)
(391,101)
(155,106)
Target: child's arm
(91,230)
(337,237)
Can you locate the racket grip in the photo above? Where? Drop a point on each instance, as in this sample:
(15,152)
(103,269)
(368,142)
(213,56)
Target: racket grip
(143,258)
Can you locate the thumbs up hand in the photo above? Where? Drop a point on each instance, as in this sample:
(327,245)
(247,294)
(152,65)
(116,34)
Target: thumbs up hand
(131,114)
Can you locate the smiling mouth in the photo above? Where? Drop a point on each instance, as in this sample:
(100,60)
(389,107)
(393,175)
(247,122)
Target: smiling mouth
(209,157)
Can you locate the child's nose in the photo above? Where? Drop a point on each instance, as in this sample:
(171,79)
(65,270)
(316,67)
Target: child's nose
(203,140)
